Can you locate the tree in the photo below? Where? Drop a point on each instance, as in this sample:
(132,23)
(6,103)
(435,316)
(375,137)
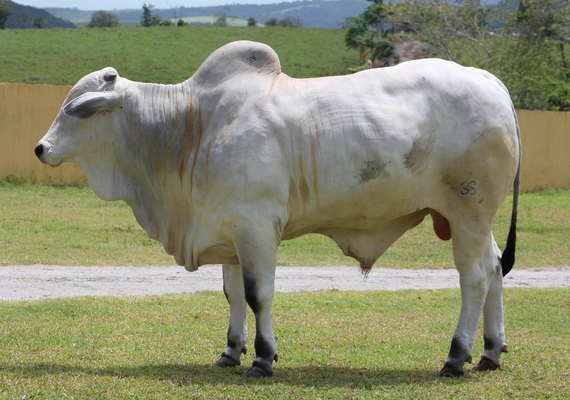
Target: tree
(157,20)
(5,12)
(251,21)
(181,23)
(38,23)
(147,17)
(221,20)
(534,64)
(525,47)
(287,22)
(102,19)
(443,25)
(538,21)
(272,22)
(291,22)
(367,33)
(150,19)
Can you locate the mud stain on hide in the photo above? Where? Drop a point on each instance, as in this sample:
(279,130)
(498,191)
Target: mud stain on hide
(197,147)
(420,151)
(371,169)
(274,81)
(193,133)
(186,141)
(303,185)
(314,145)
(208,151)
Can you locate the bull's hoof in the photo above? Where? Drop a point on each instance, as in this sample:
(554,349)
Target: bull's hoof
(257,372)
(226,361)
(486,364)
(259,369)
(451,371)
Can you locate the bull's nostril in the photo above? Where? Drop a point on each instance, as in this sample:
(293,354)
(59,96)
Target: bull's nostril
(39,150)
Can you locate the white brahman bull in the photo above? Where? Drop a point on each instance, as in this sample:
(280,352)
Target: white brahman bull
(224,166)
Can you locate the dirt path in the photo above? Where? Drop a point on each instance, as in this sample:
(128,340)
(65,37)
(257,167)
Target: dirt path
(36,282)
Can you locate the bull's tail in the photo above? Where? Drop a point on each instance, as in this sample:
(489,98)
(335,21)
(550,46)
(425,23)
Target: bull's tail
(508,257)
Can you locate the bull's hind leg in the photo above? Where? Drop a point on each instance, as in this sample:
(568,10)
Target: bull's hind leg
(237,331)
(494,328)
(477,259)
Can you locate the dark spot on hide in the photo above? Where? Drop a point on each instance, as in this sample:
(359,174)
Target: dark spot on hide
(371,169)
(458,352)
(418,154)
(489,343)
(251,59)
(250,286)
(263,348)
(231,342)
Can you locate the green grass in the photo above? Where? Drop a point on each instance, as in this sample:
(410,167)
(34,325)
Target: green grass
(69,225)
(166,55)
(332,345)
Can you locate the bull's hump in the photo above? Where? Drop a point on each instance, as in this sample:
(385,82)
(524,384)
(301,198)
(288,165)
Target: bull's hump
(235,59)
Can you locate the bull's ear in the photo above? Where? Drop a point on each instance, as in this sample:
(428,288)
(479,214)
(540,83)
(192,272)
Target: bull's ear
(89,103)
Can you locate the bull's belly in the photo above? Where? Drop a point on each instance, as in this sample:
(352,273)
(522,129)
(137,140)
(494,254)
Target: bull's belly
(359,207)
(365,219)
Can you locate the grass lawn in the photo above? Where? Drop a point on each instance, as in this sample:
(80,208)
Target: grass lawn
(70,226)
(332,345)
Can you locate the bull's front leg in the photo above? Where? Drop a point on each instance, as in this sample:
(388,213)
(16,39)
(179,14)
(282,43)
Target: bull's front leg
(257,250)
(237,331)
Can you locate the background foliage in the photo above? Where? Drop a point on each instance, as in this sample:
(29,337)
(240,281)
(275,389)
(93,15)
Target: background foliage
(524,43)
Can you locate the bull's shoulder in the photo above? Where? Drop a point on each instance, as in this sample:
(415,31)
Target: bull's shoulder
(236,59)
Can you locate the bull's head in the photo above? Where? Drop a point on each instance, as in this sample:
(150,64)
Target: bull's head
(78,128)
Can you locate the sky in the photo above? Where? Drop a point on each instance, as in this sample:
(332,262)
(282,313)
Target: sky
(135,4)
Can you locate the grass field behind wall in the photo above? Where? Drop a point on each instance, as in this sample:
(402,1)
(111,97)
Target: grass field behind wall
(164,55)
(70,225)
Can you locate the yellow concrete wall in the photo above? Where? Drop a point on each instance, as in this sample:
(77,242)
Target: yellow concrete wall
(26,112)
(545,137)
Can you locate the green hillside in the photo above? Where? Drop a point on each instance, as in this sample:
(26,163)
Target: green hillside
(166,55)
(24,17)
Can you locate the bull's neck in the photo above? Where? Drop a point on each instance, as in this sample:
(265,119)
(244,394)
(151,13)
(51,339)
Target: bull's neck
(161,108)
(156,125)
(156,136)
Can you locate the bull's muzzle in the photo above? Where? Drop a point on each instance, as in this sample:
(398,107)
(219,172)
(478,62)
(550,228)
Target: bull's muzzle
(39,150)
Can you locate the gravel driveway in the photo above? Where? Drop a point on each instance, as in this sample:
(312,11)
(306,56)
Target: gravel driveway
(36,282)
